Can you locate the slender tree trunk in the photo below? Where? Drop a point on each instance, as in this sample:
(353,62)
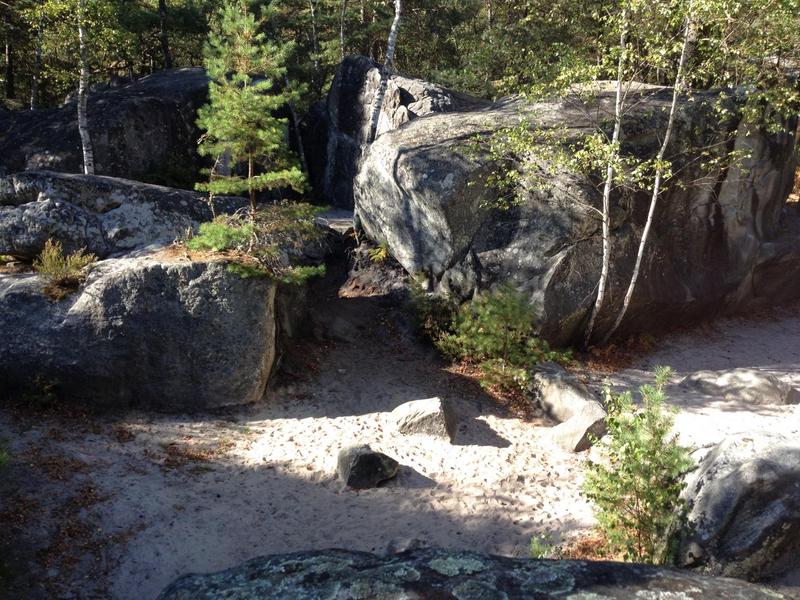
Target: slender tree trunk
(162,34)
(296,125)
(377,105)
(83,95)
(689,40)
(609,182)
(250,187)
(314,42)
(341,27)
(9,70)
(37,62)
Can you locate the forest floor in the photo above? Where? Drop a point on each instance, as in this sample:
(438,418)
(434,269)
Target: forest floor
(119,506)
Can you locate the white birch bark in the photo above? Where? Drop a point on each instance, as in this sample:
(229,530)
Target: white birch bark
(83,95)
(378,103)
(618,107)
(689,39)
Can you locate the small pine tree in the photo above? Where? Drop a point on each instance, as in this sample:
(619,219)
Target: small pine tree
(246,73)
(638,493)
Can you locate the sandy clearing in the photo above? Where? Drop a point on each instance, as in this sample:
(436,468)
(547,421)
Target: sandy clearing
(199,493)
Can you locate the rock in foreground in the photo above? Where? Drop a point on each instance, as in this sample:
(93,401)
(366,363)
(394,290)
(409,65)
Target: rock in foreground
(148,331)
(744,501)
(434,573)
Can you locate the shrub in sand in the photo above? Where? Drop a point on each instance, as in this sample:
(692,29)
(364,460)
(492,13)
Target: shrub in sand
(497,331)
(63,273)
(637,493)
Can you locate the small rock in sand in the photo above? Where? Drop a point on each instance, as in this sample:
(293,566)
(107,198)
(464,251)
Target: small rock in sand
(431,416)
(361,467)
(563,398)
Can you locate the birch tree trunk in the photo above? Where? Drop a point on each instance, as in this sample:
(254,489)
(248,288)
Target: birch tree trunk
(37,62)
(689,40)
(9,70)
(342,15)
(314,41)
(618,107)
(162,33)
(83,95)
(378,103)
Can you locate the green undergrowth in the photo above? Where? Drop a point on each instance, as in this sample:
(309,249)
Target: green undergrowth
(63,272)
(496,331)
(269,243)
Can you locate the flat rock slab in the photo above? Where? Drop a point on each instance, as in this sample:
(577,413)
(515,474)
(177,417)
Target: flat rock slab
(431,416)
(435,573)
(361,467)
(743,385)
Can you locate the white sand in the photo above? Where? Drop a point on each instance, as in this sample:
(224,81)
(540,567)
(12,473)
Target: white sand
(271,485)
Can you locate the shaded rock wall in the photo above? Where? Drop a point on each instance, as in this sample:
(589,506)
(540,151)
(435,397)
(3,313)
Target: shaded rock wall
(335,130)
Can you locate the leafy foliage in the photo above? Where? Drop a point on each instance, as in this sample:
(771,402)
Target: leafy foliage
(64,273)
(266,244)
(637,494)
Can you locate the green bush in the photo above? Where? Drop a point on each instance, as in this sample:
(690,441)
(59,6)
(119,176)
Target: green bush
(63,273)
(266,244)
(497,326)
(637,494)
(497,331)
(221,234)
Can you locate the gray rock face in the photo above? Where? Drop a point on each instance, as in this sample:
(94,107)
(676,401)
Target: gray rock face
(722,240)
(361,467)
(750,386)
(562,397)
(145,331)
(745,508)
(430,416)
(435,573)
(144,130)
(102,214)
(336,130)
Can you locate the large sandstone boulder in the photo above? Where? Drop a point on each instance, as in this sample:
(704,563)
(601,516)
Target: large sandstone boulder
(744,507)
(105,215)
(144,331)
(144,130)
(721,240)
(435,573)
(336,130)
